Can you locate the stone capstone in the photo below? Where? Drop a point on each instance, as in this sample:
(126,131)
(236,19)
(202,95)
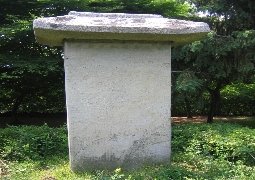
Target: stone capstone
(117,26)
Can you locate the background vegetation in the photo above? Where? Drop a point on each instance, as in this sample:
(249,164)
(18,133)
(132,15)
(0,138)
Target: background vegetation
(208,76)
(205,74)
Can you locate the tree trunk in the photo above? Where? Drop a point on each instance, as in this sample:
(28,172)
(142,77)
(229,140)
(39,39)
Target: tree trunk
(215,98)
(212,108)
(188,108)
(173,110)
(218,104)
(15,108)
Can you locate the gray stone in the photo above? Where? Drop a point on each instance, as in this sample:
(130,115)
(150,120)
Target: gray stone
(118,103)
(118,84)
(113,26)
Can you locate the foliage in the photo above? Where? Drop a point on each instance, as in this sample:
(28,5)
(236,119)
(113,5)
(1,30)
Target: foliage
(227,54)
(215,151)
(167,8)
(238,99)
(31,142)
(196,154)
(186,87)
(217,61)
(31,75)
(187,81)
(227,16)
(219,141)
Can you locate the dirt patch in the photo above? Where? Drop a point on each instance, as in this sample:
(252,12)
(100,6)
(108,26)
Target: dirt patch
(60,121)
(197,119)
(247,121)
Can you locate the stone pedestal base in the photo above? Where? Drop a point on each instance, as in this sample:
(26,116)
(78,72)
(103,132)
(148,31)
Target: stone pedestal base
(118,104)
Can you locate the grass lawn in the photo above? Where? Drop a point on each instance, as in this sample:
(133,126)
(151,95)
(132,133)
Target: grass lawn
(222,150)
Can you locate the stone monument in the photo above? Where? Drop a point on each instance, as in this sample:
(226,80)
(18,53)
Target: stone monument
(118,84)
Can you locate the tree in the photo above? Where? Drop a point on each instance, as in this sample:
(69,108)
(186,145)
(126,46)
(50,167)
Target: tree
(31,75)
(186,88)
(28,72)
(225,55)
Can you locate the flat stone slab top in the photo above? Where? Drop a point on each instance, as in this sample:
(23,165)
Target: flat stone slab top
(117,26)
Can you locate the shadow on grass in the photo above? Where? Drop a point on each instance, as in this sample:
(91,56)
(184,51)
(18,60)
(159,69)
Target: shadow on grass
(241,120)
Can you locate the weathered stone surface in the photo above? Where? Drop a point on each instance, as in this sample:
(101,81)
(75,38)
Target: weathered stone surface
(118,104)
(117,26)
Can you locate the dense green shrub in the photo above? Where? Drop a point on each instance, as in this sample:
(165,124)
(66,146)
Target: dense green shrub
(32,142)
(215,151)
(238,99)
(220,141)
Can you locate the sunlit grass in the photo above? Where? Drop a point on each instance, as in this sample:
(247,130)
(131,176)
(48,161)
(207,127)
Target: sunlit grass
(53,168)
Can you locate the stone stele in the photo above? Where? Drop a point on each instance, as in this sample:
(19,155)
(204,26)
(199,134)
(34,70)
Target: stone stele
(118,84)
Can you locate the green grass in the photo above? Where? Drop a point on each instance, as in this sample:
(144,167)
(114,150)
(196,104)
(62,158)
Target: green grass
(215,151)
